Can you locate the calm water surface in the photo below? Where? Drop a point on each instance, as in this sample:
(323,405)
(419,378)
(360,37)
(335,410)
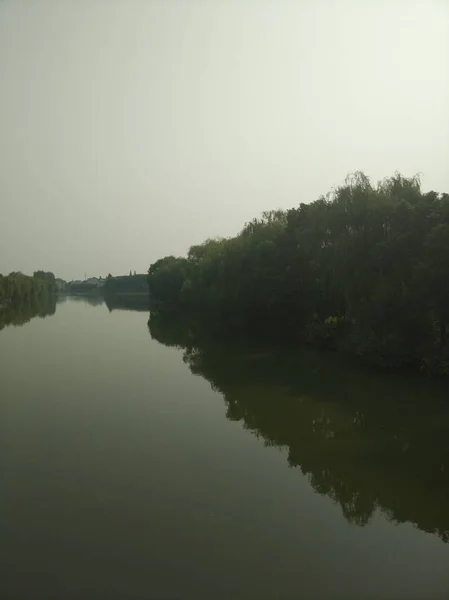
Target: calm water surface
(135,466)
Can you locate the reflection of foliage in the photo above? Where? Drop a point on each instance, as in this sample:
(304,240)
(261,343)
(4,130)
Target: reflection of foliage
(128,302)
(138,302)
(367,442)
(20,313)
(93,300)
(84,288)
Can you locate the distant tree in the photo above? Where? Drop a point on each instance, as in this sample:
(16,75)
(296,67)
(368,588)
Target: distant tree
(125,285)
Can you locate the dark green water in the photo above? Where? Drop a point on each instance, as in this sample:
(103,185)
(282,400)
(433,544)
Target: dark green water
(169,467)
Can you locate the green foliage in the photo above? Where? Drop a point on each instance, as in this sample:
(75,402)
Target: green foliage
(45,276)
(17,287)
(364,269)
(131,284)
(168,277)
(84,288)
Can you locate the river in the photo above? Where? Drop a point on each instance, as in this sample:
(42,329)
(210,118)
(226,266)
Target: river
(140,462)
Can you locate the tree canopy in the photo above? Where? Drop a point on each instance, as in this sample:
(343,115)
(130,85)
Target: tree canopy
(126,284)
(364,269)
(17,287)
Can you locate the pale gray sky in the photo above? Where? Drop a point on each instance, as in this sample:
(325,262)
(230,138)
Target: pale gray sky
(130,129)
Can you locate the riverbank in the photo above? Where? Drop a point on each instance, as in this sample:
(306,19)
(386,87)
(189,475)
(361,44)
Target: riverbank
(363,271)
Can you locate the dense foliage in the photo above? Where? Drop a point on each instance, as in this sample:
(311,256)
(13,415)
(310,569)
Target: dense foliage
(364,269)
(17,287)
(127,284)
(123,285)
(83,288)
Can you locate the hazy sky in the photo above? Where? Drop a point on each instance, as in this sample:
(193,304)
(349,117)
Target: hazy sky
(130,129)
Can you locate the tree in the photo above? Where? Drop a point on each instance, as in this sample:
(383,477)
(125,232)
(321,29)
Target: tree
(363,269)
(17,287)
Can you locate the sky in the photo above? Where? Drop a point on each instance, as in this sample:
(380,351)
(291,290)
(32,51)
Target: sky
(132,129)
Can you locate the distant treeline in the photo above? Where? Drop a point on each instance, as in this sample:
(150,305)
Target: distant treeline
(83,288)
(127,284)
(19,288)
(364,270)
(123,284)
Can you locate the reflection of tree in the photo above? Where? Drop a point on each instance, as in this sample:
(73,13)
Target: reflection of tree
(367,442)
(115,302)
(20,313)
(93,300)
(127,302)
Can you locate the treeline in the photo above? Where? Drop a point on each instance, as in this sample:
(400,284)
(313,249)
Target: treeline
(132,284)
(83,288)
(17,287)
(363,270)
(126,284)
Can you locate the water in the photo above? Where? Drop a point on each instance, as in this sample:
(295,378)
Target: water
(134,467)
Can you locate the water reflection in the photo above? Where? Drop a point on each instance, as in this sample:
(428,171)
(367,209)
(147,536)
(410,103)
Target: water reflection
(127,302)
(133,302)
(93,299)
(21,313)
(367,441)
(44,305)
